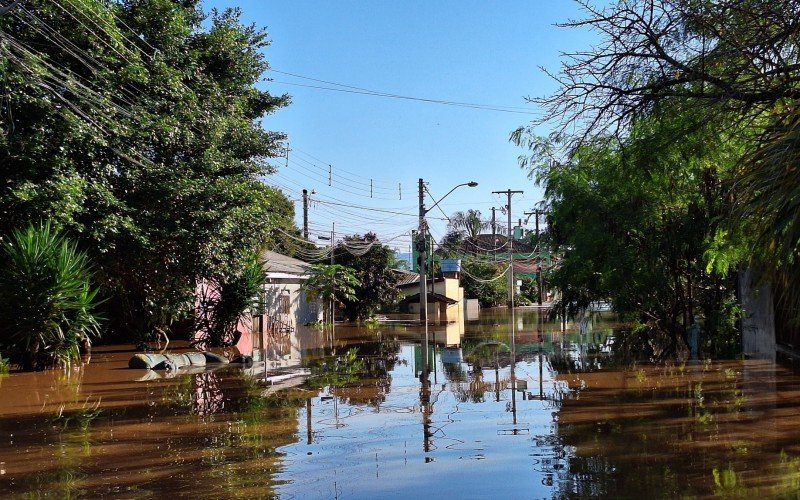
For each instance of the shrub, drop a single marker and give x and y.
(47, 303)
(227, 301)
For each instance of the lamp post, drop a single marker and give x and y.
(423, 263)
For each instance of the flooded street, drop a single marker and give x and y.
(554, 420)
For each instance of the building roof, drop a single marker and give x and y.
(279, 264)
(432, 297)
(408, 278)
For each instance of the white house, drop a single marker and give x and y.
(284, 310)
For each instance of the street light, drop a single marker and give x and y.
(423, 260)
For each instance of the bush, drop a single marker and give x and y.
(483, 281)
(47, 303)
(227, 301)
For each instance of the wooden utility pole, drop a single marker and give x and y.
(509, 193)
(537, 213)
(305, 214)
(494, 235)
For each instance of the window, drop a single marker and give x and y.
(283, 304)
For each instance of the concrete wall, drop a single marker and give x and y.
(758, 321)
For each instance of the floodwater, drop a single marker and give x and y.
(542, 416)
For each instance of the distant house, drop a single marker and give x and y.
(445, 296)
(283, 310)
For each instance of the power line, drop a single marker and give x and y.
(362, 91)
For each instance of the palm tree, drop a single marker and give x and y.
(468, 223)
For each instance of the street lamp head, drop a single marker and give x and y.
(472, 184)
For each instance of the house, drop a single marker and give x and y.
(445, 295)
(277, 328)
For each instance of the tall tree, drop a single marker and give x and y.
(735, 62)
(469, 223)
(637, 220)
(136, 126)
(372, 265)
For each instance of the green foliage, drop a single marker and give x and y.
(372, 263)
(47, 301)
(140, 132)
(223, 304)
(338, 371)
(81, 418)
(5, 366)
(331, 283)
(469, 223)
(372, 323)
(482, 280)
(638, 222)
(705, 74)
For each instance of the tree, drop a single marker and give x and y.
(333, 284)
(636, 220)
(485, 281)
(137, 129)
(372, 263)
(468, 223)
(736, 63)
(222, 306)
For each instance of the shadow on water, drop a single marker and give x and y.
(544, 415)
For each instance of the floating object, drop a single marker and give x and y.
(174, 361)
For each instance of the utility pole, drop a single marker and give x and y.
(494, 235)
(422, 235)
(423, 255)
(537, 213)
(333, 284)
(510, 240)
(423, 276)
(305, 214)
(511, 287)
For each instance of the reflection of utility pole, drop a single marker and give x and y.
(425, 406)
(541, 380)
(308, 421)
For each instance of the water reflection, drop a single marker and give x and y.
(541, 414)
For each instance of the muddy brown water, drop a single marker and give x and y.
(557, 422)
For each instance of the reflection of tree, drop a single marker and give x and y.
(454, 372)
(675, 430)
(577, 358)
(474, 391)
(208, 397)
(361, 375)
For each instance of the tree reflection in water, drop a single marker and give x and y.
(209, 398)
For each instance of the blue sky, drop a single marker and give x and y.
(467, 51)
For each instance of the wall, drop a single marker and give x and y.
(301, 312)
